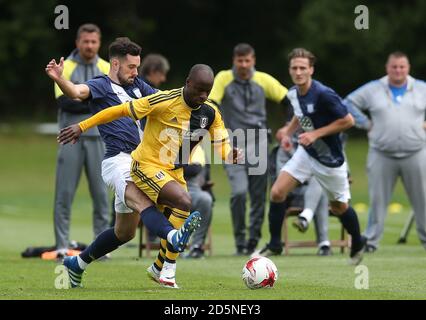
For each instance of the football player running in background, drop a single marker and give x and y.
(319, 111)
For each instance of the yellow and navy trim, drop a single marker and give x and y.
(213, 103)
(179, 215)
(172, 250)
(220, 141)
(151, 183)
(161, 97)
(132, 110)
(161, 253)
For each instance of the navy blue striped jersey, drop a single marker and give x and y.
(319, 107)
(122, 135)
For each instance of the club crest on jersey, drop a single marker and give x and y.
(160, 175)
(310, 108)
(203, 122)
(137, 92)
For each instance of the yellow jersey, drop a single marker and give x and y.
(172, 128)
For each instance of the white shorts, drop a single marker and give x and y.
(116, 173)
(333, 180)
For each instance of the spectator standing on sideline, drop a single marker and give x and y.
(241, 93)
(81, 65)
(397, 147)
(154, 69)
(197, 176)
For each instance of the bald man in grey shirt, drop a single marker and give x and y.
(397, 143)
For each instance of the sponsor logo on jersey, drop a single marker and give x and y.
(160, 175)
(203, 122)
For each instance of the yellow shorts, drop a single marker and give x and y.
(151, 179)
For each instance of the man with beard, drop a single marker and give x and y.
(121, 137)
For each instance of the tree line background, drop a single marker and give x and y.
(195, 31)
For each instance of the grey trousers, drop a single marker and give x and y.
(202, 201)
(383, 172)
(87, 153)
(241, 184)
(316, 199)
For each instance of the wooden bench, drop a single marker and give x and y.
(343, 242)
(145, 244)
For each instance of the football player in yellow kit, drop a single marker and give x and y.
(177, 120)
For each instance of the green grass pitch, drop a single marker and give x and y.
(27, 171)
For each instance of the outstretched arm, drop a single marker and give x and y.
(73, 132)
(136, 109)
(71, 90)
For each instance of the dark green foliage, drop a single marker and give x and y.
(190, 32)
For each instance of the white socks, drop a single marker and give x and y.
(81, 263)
(168, 266)
(308, 214)
(324, 243)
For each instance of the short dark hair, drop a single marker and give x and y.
(122, 47)
(397, 54)
(154, 63)
(243, 49)
(302, 53)
(88, 27)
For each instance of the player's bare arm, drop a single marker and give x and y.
(307, 138)
(71, 90)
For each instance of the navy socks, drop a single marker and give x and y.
(276, 217)
(350, 222)
(107, 241)
(104, 243)
(156, 222)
